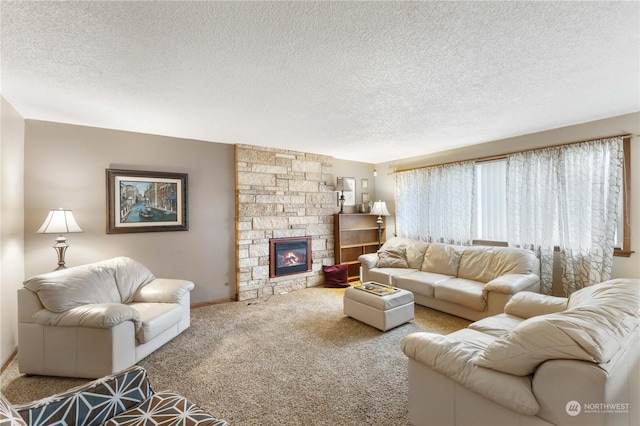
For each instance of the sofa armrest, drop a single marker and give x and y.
(369, 260)
(163, 290)
(71, 408)
(512, 283)
(527, 304)
(456, 360)
(94, 315)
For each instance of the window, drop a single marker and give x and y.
(490, 225)
(491, 184)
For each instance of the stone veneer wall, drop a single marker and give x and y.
(281, 193)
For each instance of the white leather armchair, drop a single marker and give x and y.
(94, 320)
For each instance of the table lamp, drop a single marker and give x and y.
(342, 186)
(380, 208)
(60, 221)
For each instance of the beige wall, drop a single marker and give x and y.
(359, 171)
(629, 123)
(65, 167)
(11, 225)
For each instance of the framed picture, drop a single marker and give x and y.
(365, 198)
(142, 201)
(364, 183)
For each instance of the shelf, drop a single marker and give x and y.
(355, 235)
(374, 243)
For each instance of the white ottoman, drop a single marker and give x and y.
(381, 312)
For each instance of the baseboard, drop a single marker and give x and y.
(8, 361)
(210, 302)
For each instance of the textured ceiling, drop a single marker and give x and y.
(364, 81)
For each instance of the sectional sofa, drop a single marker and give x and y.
(471, 282)
(544, 361)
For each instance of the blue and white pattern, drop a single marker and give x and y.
(91, 404)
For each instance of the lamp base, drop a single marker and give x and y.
(60, 248)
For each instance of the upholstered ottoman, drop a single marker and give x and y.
(382, 312)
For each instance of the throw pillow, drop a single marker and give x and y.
(393, 257)
(336, 276)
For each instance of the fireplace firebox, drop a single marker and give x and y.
(288, 256)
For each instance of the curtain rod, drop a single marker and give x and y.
(503, 156)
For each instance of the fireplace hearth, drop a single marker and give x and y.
(289, 256)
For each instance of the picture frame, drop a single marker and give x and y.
(364, 183)
(146, 201)
(365, 198)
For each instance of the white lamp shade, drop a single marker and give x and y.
(343, 185)
(380, 208)
(59, 221)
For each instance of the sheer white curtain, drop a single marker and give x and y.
(567, 197)
(437, 204)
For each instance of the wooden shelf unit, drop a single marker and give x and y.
(355, 234)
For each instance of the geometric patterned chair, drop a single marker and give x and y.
(123, 398)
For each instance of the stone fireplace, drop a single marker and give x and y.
(281, 194)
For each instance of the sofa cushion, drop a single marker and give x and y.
(381, 275)
(336, 276)
(129, 275)
(619, 294)
(110, 281)
(510, 260)
(442, 259)
(475, 264)
(593, 333)
(163, 290)
(102, 315)
(392, 257)
(462, 292)
(68, 288)
(421, 282)
(526, 304)
(496, 325)
(165, 408)
(156, 318)
(415, 249)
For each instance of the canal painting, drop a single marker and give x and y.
(146, 201)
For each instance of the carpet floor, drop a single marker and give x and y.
(290, 359)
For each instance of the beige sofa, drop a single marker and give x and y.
(544, 361)
(93, 320)
(471, 282)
